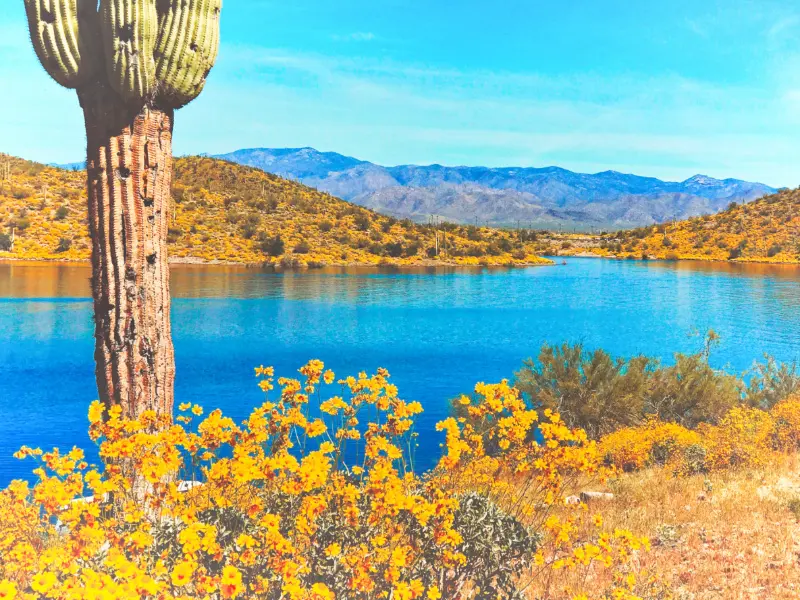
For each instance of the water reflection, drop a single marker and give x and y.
(438, 331)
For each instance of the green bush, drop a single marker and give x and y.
(590, 390)
(64, 244)
(272, 246)
(599, 393)
(302, 247)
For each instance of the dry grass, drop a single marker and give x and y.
(725, 536)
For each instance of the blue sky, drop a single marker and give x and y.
(667, 89)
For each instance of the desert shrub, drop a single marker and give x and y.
(248, 230)
(742, 438)
(496, 545)
(786, 416)
(591, 390)
(5, 242)
(64, 244)
(61, 213)
(21, 223)
(272, 246)
(794, 507)
(303, 501)
(302, 247)
(652, 443)
(774, 249)
(362, 222)
(174, 234)
(599, 393)
(691, 392)
(736, 251)
(413, 248)
(394, 249)
(771, 382)
(518, 255)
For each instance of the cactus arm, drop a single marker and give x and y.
(58, 29)
(187, 48)
(129, 30)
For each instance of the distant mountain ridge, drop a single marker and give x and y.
(539, 197)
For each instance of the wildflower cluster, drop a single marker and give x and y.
(744, 437)
(314, 497)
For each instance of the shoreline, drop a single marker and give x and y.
(267, 266)
(548, 260)
(749, 261)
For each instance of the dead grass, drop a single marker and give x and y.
(724, 536)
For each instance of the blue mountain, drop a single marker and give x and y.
(546, 197)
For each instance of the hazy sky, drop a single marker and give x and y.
(667, 89)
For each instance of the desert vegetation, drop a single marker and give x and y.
(224, 212)
(315, 495)
(765, 230)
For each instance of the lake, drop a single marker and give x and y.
(438, 331)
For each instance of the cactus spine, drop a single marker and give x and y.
(64, 36)
(187, 48)
(154, 52)
(129, 37)
(132, 63)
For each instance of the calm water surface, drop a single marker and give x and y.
(438, 332)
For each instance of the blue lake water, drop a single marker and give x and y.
(437, 331)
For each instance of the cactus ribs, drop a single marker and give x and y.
(132, 64)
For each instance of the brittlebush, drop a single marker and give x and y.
(653, 442)
(744, 437)
(315, 497)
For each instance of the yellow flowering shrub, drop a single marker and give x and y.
(743, 438)
(786, 415)
(314, 496)
(653, 442)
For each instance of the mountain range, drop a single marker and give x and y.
(548, 197)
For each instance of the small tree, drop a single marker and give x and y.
(273, 246)
(64, 244)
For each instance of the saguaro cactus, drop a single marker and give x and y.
(132, 63)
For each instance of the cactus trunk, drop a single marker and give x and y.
(129, 172)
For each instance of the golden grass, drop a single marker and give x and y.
(728, 535)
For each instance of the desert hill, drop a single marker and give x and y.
(225, 212)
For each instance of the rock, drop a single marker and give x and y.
(595, 496)
(185, 486)
(569, 500)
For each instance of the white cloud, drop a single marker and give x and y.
(670, 126)
(783, 26)
(359, 36)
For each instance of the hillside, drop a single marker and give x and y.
(549, 197)
(230, 213)
(767, 230)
